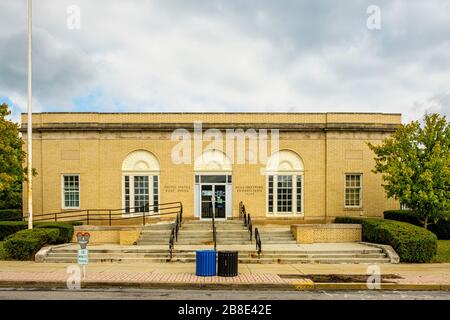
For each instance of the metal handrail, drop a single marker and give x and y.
(171, 242)
(258, 242)
(214, 230)
(89, 215)
(249, 226)
(240, 209)
(174, 233)
(177, 226)
(123, 210)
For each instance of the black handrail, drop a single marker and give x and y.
(174, 233)
(181, 214)
(214, 230)
(258, 242)
(171, 242)
(110, 215)
(177, 226)
(249, 226)
(245, 219)
(240, 209)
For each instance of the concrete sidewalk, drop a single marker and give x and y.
(251, 276)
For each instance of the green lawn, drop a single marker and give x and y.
(443, 251)
(2, 252)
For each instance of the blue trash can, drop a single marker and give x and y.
(205, 263)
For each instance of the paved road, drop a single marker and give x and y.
(160, 294)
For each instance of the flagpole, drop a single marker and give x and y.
(30, 124)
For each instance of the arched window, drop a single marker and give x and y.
(140, 172)
(284, 172)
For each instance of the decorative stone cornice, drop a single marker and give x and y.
(283, 127)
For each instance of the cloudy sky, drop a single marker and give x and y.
(228, 55)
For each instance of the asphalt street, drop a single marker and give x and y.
(164, 294)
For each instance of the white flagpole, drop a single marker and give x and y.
(29, 124)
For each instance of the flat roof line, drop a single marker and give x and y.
(221, 113)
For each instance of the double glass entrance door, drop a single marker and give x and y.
(213, 194)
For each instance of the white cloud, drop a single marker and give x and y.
(230, 56)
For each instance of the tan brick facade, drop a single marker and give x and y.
(322, 233)
(94, 145)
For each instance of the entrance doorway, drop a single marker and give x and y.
(213, 190)
(217, 193)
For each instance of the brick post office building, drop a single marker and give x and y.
(320, 168)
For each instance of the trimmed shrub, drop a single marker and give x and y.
(65, 230)
(75, 223)
(402, 215)
(412, 243)
(24, 244)
(11, 215)
(8, 228)
(441, 228)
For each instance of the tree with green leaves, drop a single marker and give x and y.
(414, 163)
(12, 173)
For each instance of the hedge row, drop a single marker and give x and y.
(8, 228)
(412, 243)
(441, 228)
(11, 215)
(24, 244)
(65, 230)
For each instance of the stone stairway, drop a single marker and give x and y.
(276, 236)
(278, 246)
(147, 254)
(196, 232)
(199, 232)
(155, 234)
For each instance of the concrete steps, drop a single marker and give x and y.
(150, 255)
(199, 232)
(248, 259)
(230, 232)
(139, 249)
(154, 241)
(155, 234)
(245, 261)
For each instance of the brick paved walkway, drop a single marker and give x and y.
(17, 274)
(149, 277)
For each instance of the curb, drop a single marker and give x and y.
(384, 286)
(295, 286)
(150, 285)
